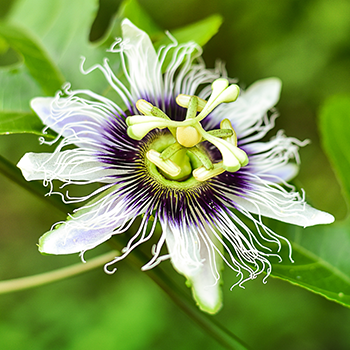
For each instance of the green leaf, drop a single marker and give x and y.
(334, 128)
(37, 61)
(20, 122)
(17, 89)
(321, 260)
(200, 32)
(17, 82)
(29, 73)
(321, 253)
(132, 10)
(63, 29)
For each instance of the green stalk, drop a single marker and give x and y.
(23, 283)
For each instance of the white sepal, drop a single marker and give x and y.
(143, 65)
(283, 208)
(90, 226)
(70, 165)
(193, 253)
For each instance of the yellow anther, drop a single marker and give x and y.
(202, 174)
(226, 124)
(184, 100)
(168, 166)
(188, 136)
(144, 107)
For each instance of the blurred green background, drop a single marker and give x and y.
(307, 45)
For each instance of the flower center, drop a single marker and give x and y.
(184, 156)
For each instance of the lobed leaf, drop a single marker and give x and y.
(36, 60)
(63, 28)
(32, 25)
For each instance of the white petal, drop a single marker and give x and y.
(42, 107)
(88, 227)
(70, 165)
(271, 160)
(251, 105)
(144, 68)
(285, 172)
(193, 255)
(80, 120)
(284, 209)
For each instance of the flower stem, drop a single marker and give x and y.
(56, 275)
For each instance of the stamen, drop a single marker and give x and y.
(148, 109)
(159, 113)
(184, 101)
(203, 158)
(223, 133)
(171, 150)
(226, 124)
(203, 174)
(144, 107)
(168, 166)
(192, 108)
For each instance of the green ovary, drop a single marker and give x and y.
(184, 159)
